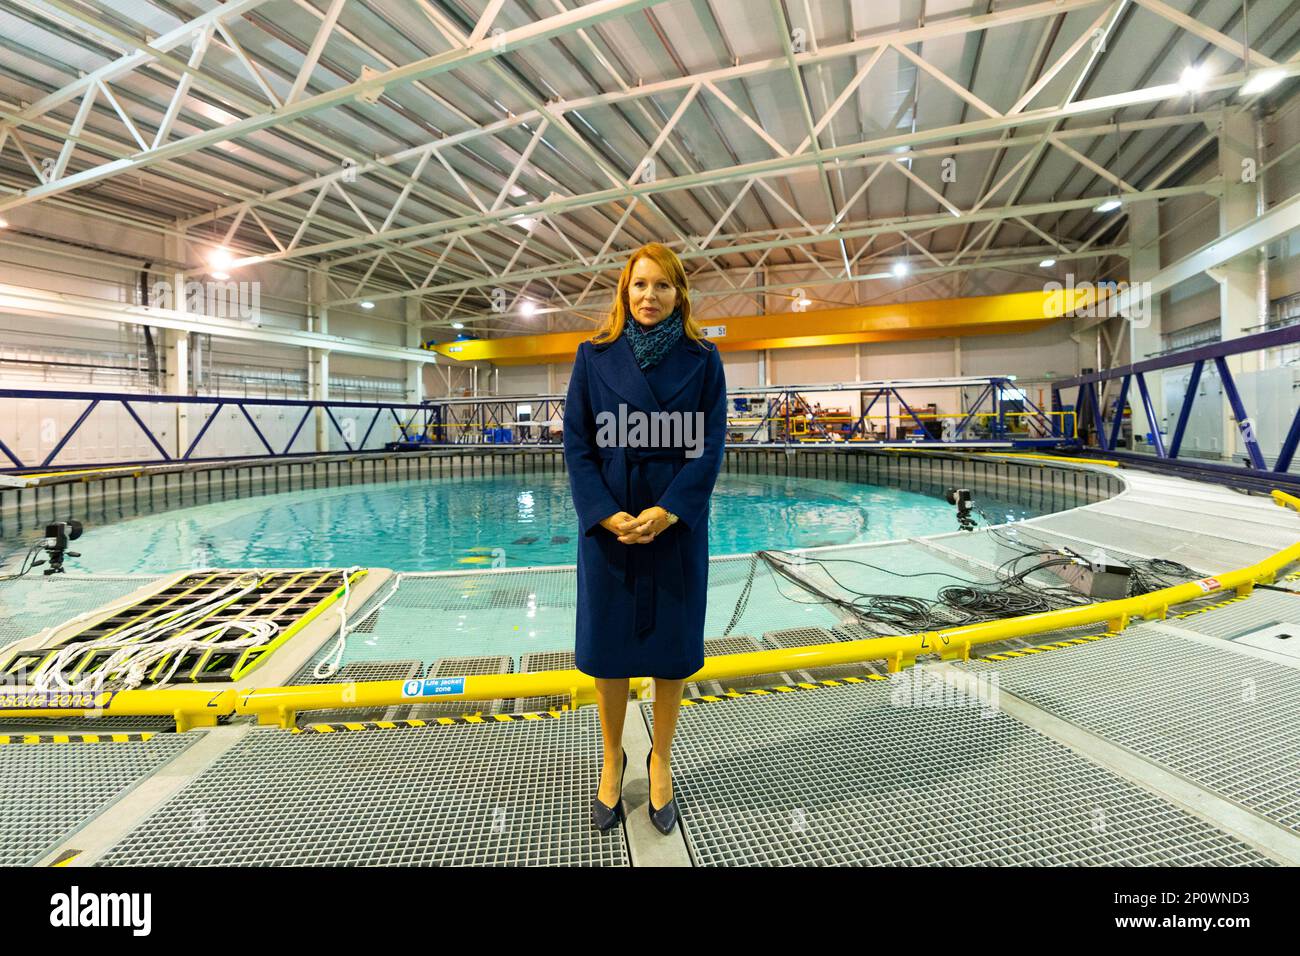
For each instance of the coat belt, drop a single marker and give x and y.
(644, 567)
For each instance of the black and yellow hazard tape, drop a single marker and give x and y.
(432, 722)
(74, 738)
(733, 694)
(1213, 607)
(1054, 646)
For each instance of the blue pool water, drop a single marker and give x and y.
(490, 521)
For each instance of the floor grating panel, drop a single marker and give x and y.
(843, 776)
(1227, 721)
(48, 791)
(483, 795)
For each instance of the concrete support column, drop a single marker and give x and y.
(1238, 279)
(1144, 330)
(176, 344)
(414, 370)
(318, 360)
(176, 348)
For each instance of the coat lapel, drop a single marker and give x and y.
(617, 367)
(680, 367)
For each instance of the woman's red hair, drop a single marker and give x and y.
(667, 260)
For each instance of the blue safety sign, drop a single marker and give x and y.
(433, 686)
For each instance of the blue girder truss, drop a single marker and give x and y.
(412, 422)
(1088, 404)
(439, 422)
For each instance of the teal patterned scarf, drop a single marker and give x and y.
(651, 345)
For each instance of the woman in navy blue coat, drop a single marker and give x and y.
(644, 428)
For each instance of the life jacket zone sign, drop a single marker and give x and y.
(433, 686)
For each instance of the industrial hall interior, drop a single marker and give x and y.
(649, 433)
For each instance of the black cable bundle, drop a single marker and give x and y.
(28, 563)
(965, 602)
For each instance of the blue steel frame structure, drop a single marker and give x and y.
(128, 400)
(1088, 404)
(445, 422)
(789, 403)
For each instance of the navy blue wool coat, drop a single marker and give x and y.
(641, 606)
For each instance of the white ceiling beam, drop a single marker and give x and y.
(314, 51)
(87, 101)
(664, 133)
(1281, 220)
(853, 85)
(60, 304)
(874, 45)
(948, 82)
(808, 282)
(603, 263)
(745, 118)
(200, 48)
(148, 53)
(1206, 33)
(782, 165)
(423, 68)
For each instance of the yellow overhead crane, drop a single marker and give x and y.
(1017, 312)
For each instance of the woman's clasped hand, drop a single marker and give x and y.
(641, 529)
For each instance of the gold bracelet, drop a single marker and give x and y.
(672, 518)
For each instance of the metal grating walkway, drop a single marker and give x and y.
(48, 791)
(1261, 609)
(514, 794)
(839, 775)
(31, 604)
(1224, 720)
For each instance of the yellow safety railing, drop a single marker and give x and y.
(281, 705)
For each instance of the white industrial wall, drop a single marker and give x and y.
(100, 257)
(50, 249)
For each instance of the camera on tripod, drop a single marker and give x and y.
(961, 498)
(57, 536)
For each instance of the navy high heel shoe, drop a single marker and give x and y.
(603, 817)
(665, 818)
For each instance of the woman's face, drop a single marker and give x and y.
(650, 294)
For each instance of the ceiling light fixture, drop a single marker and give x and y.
(1262, 82)
(1193, 79)
(220, 259)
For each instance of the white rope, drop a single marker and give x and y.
(330, 663)
(138, 647)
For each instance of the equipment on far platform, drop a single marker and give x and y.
(57, 536)
(961, 498)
